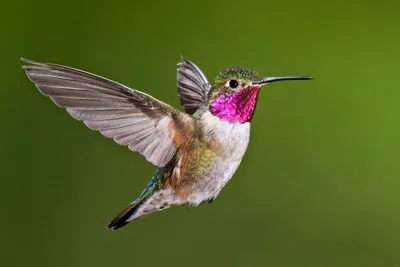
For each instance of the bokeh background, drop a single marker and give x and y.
(319, 185)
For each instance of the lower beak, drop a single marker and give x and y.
(283, 78)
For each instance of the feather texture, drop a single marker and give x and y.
(193, 86)
(130, 117)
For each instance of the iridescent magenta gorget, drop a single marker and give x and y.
(237, 106)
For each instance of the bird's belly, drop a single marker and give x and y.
(209, 186)
(218, 170)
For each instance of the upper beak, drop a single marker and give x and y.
(284, 78)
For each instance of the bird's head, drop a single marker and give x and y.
(234, 93)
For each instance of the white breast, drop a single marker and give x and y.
(234, 139)
(233, 136)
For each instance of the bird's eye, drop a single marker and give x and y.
(233, 83)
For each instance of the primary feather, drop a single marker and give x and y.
(130, 117)
(193, 86)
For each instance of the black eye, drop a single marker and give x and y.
(233, 83)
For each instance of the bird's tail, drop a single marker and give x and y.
(151, 200)
(124, 217)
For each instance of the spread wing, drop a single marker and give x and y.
(193, 86)
(130, 117)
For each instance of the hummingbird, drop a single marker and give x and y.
(197, 151)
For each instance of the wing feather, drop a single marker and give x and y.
(130, 117)
(193, 86)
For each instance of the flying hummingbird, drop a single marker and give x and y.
(196, 151)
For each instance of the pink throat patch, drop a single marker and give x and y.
(236, 107)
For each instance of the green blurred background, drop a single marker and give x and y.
(319, 185)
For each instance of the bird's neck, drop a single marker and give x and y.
(236, 107)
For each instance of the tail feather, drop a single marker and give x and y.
(123, 218)
(157, 201)
(131, 212)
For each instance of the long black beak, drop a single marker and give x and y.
(284, 78)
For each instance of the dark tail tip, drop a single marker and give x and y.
(122, 218)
